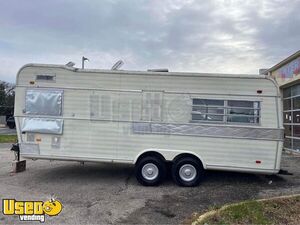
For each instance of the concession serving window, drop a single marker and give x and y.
(44, 110)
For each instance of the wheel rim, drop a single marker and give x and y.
(187, 172)
(150, 171)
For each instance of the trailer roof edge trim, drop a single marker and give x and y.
(132, 72)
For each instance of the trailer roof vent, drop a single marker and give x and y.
(45, 77)
(158, 70)
(117, 65)
(70, 64)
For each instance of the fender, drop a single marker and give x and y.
(169, 154)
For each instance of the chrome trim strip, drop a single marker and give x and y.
(206, 123)
(208, 131)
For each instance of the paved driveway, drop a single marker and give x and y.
(6, 130)
(109, 194)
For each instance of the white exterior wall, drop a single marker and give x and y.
(105, 138)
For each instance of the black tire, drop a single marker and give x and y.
(178, 164)
(148, 160)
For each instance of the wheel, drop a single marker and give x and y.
(150, 170)
(187, 171)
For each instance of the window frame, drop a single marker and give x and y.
(40, 114)
(206, 109)
(254, 116)
(225, 113)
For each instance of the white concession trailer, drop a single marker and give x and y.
(196, 121)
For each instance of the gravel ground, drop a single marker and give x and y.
(109, 194)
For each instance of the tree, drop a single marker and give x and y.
(7, 98)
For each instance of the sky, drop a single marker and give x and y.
(216, 36)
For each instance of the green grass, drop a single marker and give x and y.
(272, 211)
(8, 138)
(249, 212)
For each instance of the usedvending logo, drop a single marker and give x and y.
(31, 210)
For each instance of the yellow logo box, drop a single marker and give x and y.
(31, 208)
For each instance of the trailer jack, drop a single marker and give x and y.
(17, 164)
